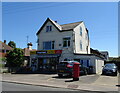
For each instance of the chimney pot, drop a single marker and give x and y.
(5, 41)
(55, 21)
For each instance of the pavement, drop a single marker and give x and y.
(88, 82)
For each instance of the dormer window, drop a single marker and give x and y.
(80, 31)
(48, 28)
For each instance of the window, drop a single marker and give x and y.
(48, 28)
(80, 45)
(86, 36)
(81, 31)
(48, 45)
(66, 42)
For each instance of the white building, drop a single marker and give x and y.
(64, 42)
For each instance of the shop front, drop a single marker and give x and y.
(47, 60)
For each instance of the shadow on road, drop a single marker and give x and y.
(36, 72)
(64, 77)
(118, 85)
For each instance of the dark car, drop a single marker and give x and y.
(66, 68)
(110, 69)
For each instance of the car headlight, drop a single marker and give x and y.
(113, 70)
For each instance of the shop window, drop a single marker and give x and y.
(48, 28)
(48, 45)
(66, 42)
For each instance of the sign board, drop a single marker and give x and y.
(46, 52)
(32, 52)
(49, 52)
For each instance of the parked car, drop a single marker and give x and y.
(66, 68)
(110, 69)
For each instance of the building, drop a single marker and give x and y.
(64, 42)
(4, 48)
(106, 55)
(26, 52)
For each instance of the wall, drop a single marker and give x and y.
(56, 36)
(78, 38)
(99, 65)
(95, 61)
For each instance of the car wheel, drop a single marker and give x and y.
(115, 74)
(70, 75)
(60, 75)
(85, 72)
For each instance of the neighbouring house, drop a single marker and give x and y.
(26, 52)
(103, 54)
(64, 42)
(4, 48)
(106, 55)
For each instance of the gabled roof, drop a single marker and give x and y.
(61, 28)
(70, 26)
(4, 46)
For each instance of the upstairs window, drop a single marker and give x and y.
(80, 31)
(48, 28)
(66, 42)
(86, 36)
(80, 45)
(48, 45)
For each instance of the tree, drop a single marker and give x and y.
(12, 44)
(15, 58)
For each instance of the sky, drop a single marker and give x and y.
(22, 19)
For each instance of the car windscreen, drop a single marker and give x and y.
(110, 66)
(63, 63)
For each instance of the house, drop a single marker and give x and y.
(64, 42)
(4, 48)
(26, 52)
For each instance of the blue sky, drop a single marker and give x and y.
(24, 19)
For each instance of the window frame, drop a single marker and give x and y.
(80, 31)
(81, 46)
(52, 45)
(49, 28)
(68, 43)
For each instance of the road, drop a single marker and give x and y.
(13, 88)
(22, 87)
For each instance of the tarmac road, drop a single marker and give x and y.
(89, 82)
(22, 88)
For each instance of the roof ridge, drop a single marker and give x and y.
(71, 23)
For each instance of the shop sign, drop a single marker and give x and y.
(46, 52)
(41, 52)
(50, 51)
(58, 51)
(32, 52)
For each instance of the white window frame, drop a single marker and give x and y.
(81, 31)
(48, 28)
(52, 43)
(67, 41)
(81, 46)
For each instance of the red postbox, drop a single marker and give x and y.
(76, 71)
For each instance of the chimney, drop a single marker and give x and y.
(29, 46)
(5, 41)
(55, 21)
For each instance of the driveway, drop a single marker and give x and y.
(89, 82)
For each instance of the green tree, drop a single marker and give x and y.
(12, 44)
(15, 58)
